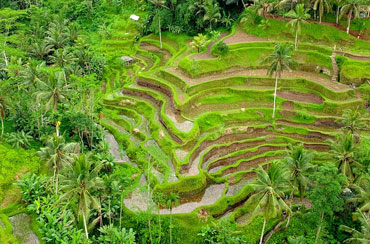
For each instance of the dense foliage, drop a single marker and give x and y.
(61, 60)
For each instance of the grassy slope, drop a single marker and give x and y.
(313, 33)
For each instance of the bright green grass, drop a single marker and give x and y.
(353, 70)
(311, 33)
(14, 162)
(251, 58)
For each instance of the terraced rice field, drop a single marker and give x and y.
(205, 131)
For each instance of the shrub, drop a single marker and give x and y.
(33, 187)
(220, 49)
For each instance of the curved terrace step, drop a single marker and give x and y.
(318, 78)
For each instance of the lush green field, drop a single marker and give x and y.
(214, 111)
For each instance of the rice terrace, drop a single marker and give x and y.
(185, 121)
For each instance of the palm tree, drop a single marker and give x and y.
(57, 154)
(250, 16)
(32, 73)
(53, 90)
(286, 3)
(63, 58)
(40, 49)
(338, 4)
(263, 6)
(351, 8)
(213, 14)
(322, 5)
(57, 34)
(172, 200)
(279, 60)
(343, 150)
(362, 236)
(362, 190)
(352, 120)
(159, 4)
(199, 42)
(78, 183)
(299, 17)
(298, 163)
(270, 189)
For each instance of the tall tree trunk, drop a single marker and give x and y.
(337, 19)
(85, 226)
(120, 212)
(170, 225)
(319, 229)
(349, 21)
(5, 59)
(296, 39)
(150, 230)
(56, 180)
(55, 104)
(243, 3)
(276, 81)
(263, 229)
(2, 125)
(148, 203)
(290, 206)
(160, 32)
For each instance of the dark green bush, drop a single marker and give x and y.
(220, 49)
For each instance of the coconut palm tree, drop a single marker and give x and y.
(57, 154)
(322, 6)
(199, 42)
(352, 9)
(57, 34)
(159, 4)
(338, 4)
(54, 90)
(353, 120)
(362, 236)
(172, 200)
(362, 190)
(270, 189)
(343, 150)
(299, 17)
(79, 182)
(32, 73)
(286, 4)
(63, 58)
(263, 6)
(298, 163)
(279, 60)
(250, 16)
(40, 49)
(212, 14)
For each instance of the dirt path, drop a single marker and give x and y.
(318, 78)
(241, 36)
